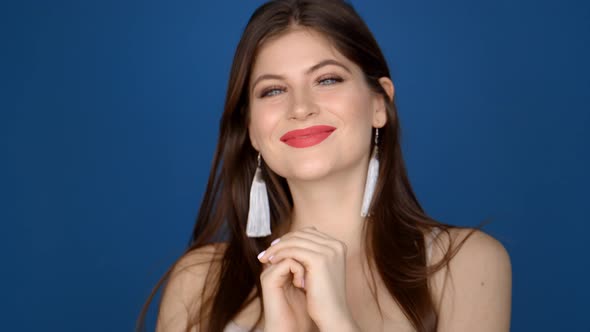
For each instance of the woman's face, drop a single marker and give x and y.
(299, 80)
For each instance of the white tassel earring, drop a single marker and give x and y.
(258, 212)
(372, 174)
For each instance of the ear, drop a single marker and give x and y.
(380, 114)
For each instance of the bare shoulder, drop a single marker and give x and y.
(198, 260)
(474, 291)
(186, 285)
(473, 244)
(479, 252)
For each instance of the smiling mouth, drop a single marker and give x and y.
(307, 137)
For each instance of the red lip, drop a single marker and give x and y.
(306, 137)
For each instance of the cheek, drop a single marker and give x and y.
(263, 122)
(353, 105)
(354, 108)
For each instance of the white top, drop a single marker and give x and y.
(233, 327)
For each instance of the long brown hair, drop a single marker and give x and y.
(394, 233)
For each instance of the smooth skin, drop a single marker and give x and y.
(314, 276)
(310, 260)
(300, 80)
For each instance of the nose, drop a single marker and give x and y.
(302, 105)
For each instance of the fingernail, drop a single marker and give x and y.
(275, 242)
(270, 258)
(261, 254)
(303, 282)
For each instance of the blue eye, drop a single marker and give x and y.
(273, 91)
(330, 80)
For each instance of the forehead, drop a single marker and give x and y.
(295, 51)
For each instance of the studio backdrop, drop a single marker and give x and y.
(110, 113)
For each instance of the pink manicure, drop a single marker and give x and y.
(261, 254)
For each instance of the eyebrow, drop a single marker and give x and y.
(313, 68)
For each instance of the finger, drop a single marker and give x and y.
(311, 233)
(328, 241)
(306, 233)
(314, 230)
(299, 239)
(310, 230)
(304, 256)
(284, 272)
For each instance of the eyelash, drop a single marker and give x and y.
(265, 92)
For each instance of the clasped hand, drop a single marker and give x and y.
(305, 269)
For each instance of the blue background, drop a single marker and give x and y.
(109, 116)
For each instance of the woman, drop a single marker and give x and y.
(323, 229)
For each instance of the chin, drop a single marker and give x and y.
(307, 172)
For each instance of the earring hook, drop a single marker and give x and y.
(376, 136)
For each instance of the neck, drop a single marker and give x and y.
(333, 206)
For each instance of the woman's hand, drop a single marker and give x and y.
(324, 261)
(284, 299)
